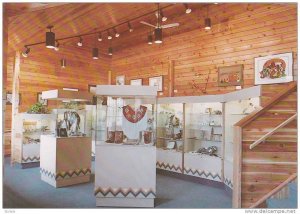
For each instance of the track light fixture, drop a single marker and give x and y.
(187, 9)
(158, 35)
(207, 24)
(63, 63)
(163, 18)
(150, 40)
(57, 46)
(116, 33)
(110, 51)
(80, 42)
(26, 52)
(95, 53)
(108, 35)
(100, 37)
(129, 27)
(50, 38)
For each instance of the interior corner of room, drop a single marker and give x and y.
(161, 105)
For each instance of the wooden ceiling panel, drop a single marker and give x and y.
(28, 23)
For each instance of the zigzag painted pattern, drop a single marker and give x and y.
(124, 192)
(202, 173)
(64, 175)
(228, 182)
(167, 166)
(31, 159)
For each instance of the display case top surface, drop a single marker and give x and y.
(58, 94)
(126, 90)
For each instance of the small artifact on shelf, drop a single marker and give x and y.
(217, 112)
(118, 137)
(211, 151)
(111, 137)
(29, 140)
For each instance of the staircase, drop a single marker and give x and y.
(289, 202)
(266, 151)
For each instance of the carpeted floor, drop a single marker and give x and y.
(23, 188)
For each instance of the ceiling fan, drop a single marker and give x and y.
(158, 27)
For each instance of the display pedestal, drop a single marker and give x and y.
(65, 161)
(125, 175)
(170, 160)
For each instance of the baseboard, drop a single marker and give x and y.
(30, 165)
(191, 178)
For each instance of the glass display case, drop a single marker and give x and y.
(203, 140)
(67, 151)
(29, 128)
(170, 136)
(235, 110)
(126, 120)
(204, 128)
(125, 149)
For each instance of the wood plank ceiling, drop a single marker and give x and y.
(28, 22)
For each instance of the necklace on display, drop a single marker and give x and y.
(132, 115)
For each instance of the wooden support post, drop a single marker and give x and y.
(109, 78)
(237, 167)
(171, 78)
(15, 103)
(4, 71)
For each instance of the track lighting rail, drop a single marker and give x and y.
(102, 31)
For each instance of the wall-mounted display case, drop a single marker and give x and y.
(204, 140)
(125, 172)
(66, 153)
(170, 136)
(207, 124)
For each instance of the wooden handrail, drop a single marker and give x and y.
(274, 191)
(246, 120)
(273, 131)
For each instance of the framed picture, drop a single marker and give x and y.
(136, 82)
(120, 80)
(156, 81)
(92, 88)
(40, 100)
(230, 75)
(9, 98)
(274, 69)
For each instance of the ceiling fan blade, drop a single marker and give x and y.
(170, 25)
(146, 23)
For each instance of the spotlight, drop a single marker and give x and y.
(116, 33)
(108, 35)
(100, 37)
(187, 9)
(50, 38)
(110, 51)
(158, 35)
(163, 18)
(26, 52)
(95, 53)
(80, 42)
(207, 23)
(150, 39)
(129, 27)
(57, 46)
(63, 63)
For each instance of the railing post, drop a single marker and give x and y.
(237, 167)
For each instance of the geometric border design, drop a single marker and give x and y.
(31, 159)
(124, 192)
(202, 173)
(228, 182)
(65, 175)
(167, 166)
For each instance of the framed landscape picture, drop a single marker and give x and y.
(40, 100)
(136, 82)
(230, 75)
(156, 81)
(274, 69)
(120, 80)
